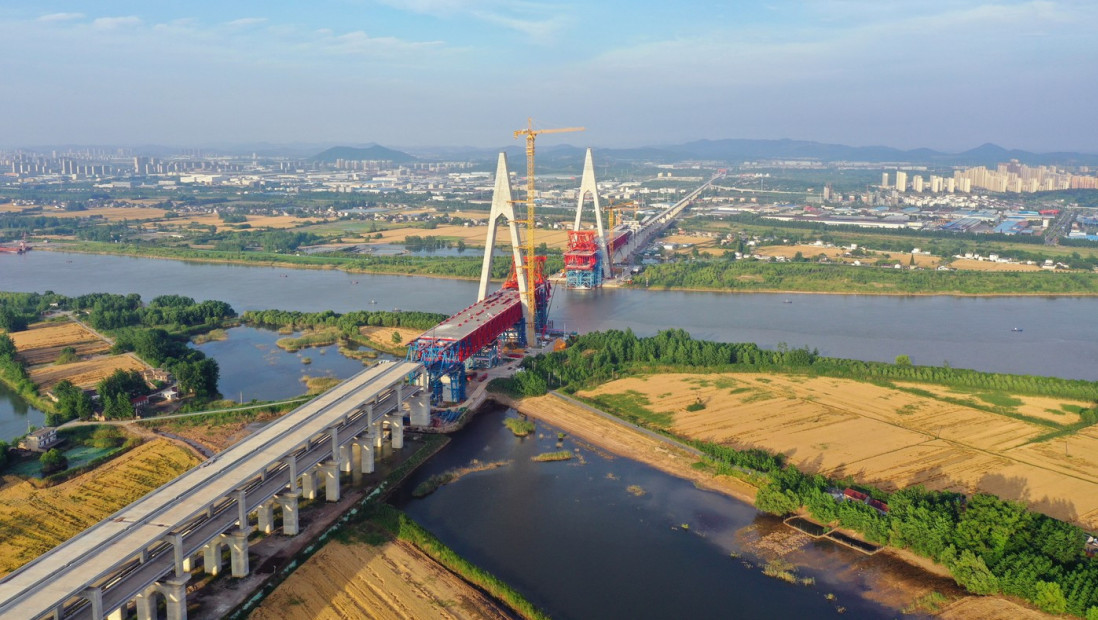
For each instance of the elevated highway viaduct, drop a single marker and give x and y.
(147, 551)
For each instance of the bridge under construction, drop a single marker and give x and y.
(142, 557)
(506, 316)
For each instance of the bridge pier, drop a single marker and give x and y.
(396, 431)
(175, 598)
(238, 553)
(365, 454)
(331, 481)
(146, 603)
(211, 555)
(308, 484)
(419, 406)
(288, 503)
(346, 464)
(117, 614)
(265, 516)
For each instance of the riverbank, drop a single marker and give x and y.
(898, 578)
(267, 261)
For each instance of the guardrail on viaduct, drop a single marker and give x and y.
(149, 548)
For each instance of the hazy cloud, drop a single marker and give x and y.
(61, 17)
(244, 22)
(112, 23)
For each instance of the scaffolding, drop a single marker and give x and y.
(582, 261)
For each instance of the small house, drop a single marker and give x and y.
(40, 440)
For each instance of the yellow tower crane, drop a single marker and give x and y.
(531, 298)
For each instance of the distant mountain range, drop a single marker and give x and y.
(734, 151)
(372, 152)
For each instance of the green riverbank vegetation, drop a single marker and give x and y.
(747, 276)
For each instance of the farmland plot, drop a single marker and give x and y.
(890, 438)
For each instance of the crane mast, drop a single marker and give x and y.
(531, 194)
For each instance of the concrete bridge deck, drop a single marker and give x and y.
(151, 543)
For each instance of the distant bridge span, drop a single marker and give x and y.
(147, 549)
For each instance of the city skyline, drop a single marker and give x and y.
(940, 74)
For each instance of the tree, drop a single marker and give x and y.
(53, 461)
(970, 571)
(12, 321)
(903, 360)
(396, 338)
(771, 498)
(3, 454)
(1048, 597)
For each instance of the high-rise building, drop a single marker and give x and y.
(901, 181)
(884, 180)
(917, 183)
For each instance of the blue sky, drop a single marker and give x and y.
(947, 74)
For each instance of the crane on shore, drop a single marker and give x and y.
(531, 134)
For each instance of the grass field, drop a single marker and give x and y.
(34, 521)
(41, 343)
(888, 437)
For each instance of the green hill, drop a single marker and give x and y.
(375, 152)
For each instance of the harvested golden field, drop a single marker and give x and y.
(393, 581)
(473, 235)
(882, 436)
(257, 221)
(36, 520)
(41, 343)
(112, 214)
(969, 264)
(85, 373)
(812, 252)
(1057, 410)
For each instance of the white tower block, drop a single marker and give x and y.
(502, 206)
(588, 186)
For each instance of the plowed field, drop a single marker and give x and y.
(888, 437)
(393, 581)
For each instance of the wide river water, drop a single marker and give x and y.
(1058, 337)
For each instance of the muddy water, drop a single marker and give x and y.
(606, 537)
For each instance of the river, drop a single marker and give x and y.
(575, 541)
(1059, 336)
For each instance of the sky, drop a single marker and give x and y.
(943, 74)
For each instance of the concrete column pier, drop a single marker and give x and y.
(146, 603)
(175, 598)
(308, 484)
(238, 550)
(265, 516)
(366, 446)
(288, 503)
(346, 462)
(188, 563)
(419, 409)
(116, 614)
(331, 481)
(396, 428)
(211, 555)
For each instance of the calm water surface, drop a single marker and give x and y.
(253, 367)
(578, 544)
(1059, 336)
